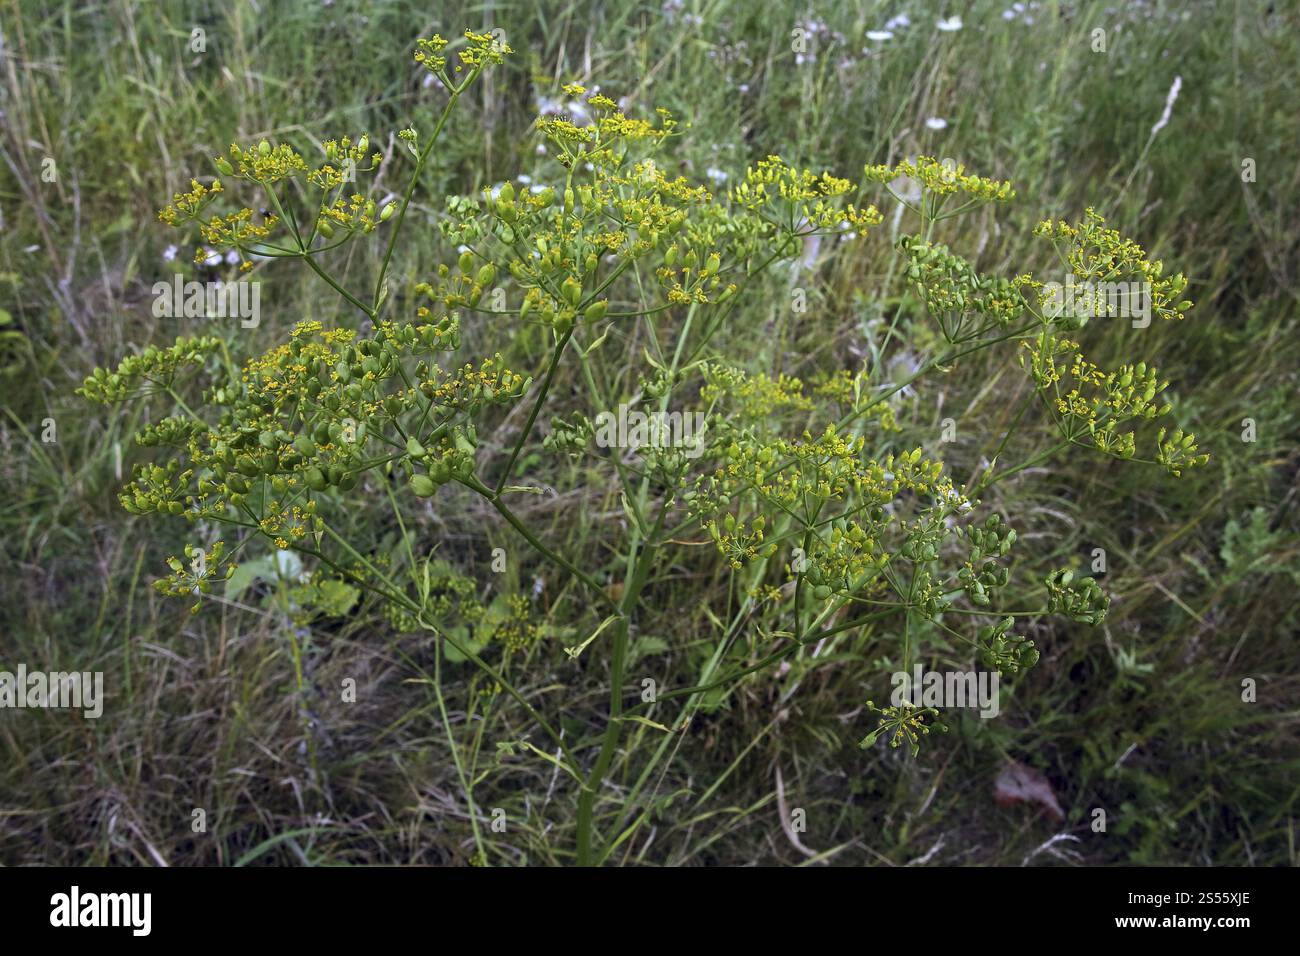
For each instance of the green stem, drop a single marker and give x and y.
(537, 407)
(373, 312)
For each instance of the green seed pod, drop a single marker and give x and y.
(387, 212)
(325, 229)
(264, 148)
(223, 166)
(363, 143)
(414, 448)
(568, 200)
(348, 482)
(572, 291)
(423, 486)
(486, 275)
(596, 311)
(466, 262)
(315, 479)
(507, 194)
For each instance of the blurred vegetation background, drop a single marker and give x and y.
(1142, 717)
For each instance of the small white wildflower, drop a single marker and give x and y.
(233, 258)
(950, 25)
(170, 253)
(715, 174)
(880, 36)
(211, 257)
(902, 20)
(936, 122)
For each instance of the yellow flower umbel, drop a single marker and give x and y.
(943, 179)
(800, 198)
(1096, 255)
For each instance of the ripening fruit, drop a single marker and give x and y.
(596, 311)
(387, 212)
(423, 486)
(486, 275)
(315, 479)
(224, 167)
(264, 148)
(466, 261)
(571, 289)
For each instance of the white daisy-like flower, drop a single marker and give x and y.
(950, 25)
(936, 122)
(880, 36)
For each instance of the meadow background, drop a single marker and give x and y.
(1142, 716)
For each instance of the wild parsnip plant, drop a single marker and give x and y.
(823, 524)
